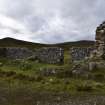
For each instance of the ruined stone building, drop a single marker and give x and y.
(79, 53)
(51, 55)
(100, 41)
(96, 59)
(98, 51)
(55, 55)
(16, 53)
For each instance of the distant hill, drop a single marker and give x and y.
(82, 43)
(11, 42)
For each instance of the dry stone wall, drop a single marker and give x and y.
(3, 52)
(16, 53)
(51, 55)
(19, 53)
(78, 53)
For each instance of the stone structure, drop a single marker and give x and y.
(16, 53)
(97, 60)
(100, 41)
(3, 52)
(51, 55)
(78, 53)
(19, 53)
(98, 52)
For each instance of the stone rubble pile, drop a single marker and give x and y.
(50, 71)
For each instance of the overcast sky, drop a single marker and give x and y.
(51, 21)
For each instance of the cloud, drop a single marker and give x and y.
(11, 28)
(50, 21)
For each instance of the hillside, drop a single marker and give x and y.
(29, 82)
(10, 42)
(82, 43)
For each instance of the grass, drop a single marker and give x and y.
(20, 86)
(56, 85)
(15, 75)
(22, 83)
(27, 73)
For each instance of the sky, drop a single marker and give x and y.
(51, 21)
